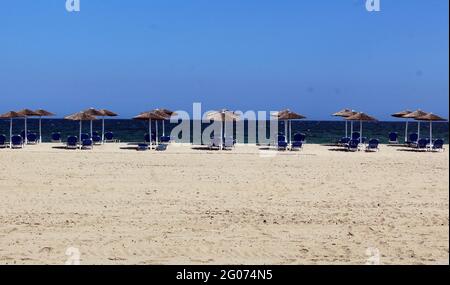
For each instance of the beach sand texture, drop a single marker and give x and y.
(246, 206)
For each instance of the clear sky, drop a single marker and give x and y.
(312, 56)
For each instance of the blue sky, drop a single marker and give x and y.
(311, 56)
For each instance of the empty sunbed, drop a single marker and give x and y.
(165, 139)
(96, 139)
(142, 147)
(281, 142)
(353, 145)
(373, 145)
(87, 144)
(56, 137)
(422, 144)
(215, 143)
(438, 145)
(32, 138)
(412, 139)
(393, 138)
(355, 135)
(297, 142)
(16, 141)
(2, 141)
(343, 141)
(109, 137)
(72, 142)
(228, 143)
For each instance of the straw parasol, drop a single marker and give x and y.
(402, 114)
(223, 115)
(287, 116)
(431, 118)
(149, 116)
(10, 115)
(360, 116)
(344, 113)
(80, 116)
(93, 112)
(42, 113)
(165, 113)
(416, 114)
(105, 113)
(27, 113)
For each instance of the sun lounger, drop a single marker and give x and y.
(373, 145)
(165, 139)
(142, 147)
(281, 142)
(85, 137)
(438, 145)
(393, 138)
(2, 141)
(96, 139)
(355, 135)
(228, 143)
(353, 145)
(109, 137)
(16, 142)
(412, 139)
(56, 137)
(343, 141)
(72, 142)
(298, 141)
(422, 144)
(214, 143)
(32, 138)
(87, 144)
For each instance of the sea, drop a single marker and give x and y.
(319, 132)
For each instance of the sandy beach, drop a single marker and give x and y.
(189, 205)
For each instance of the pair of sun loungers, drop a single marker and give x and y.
(16, 141)
(359, 144)
(216, 143)
(296, 144)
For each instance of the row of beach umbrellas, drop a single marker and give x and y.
(418, 115)
(25, 113)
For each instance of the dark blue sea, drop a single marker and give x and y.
(316, 131)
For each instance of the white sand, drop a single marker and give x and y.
(244, 206)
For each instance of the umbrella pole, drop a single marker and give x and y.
(26, 131)
(164, 131)
(351, 128)
(406, 131)
(431, 133)
(103, 129)
(290, 129)
(91, 128)
(10, 133)
(360, 131)
(222, 133)
(346, 133)
(40, 129)
(150, 132)
(80, 133)
(156, 132)
(418, 130)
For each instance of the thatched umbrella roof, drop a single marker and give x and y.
(107, 113)
(28, 113)
(344, 113)
(401, 114)
(93, 112)
(222, 115)
(150, 115)
(43, 113)
(11, 114)
(415, 114)
(288, 115)
(430, 117)
(165, 112)
(80, 116)
(360, 116)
